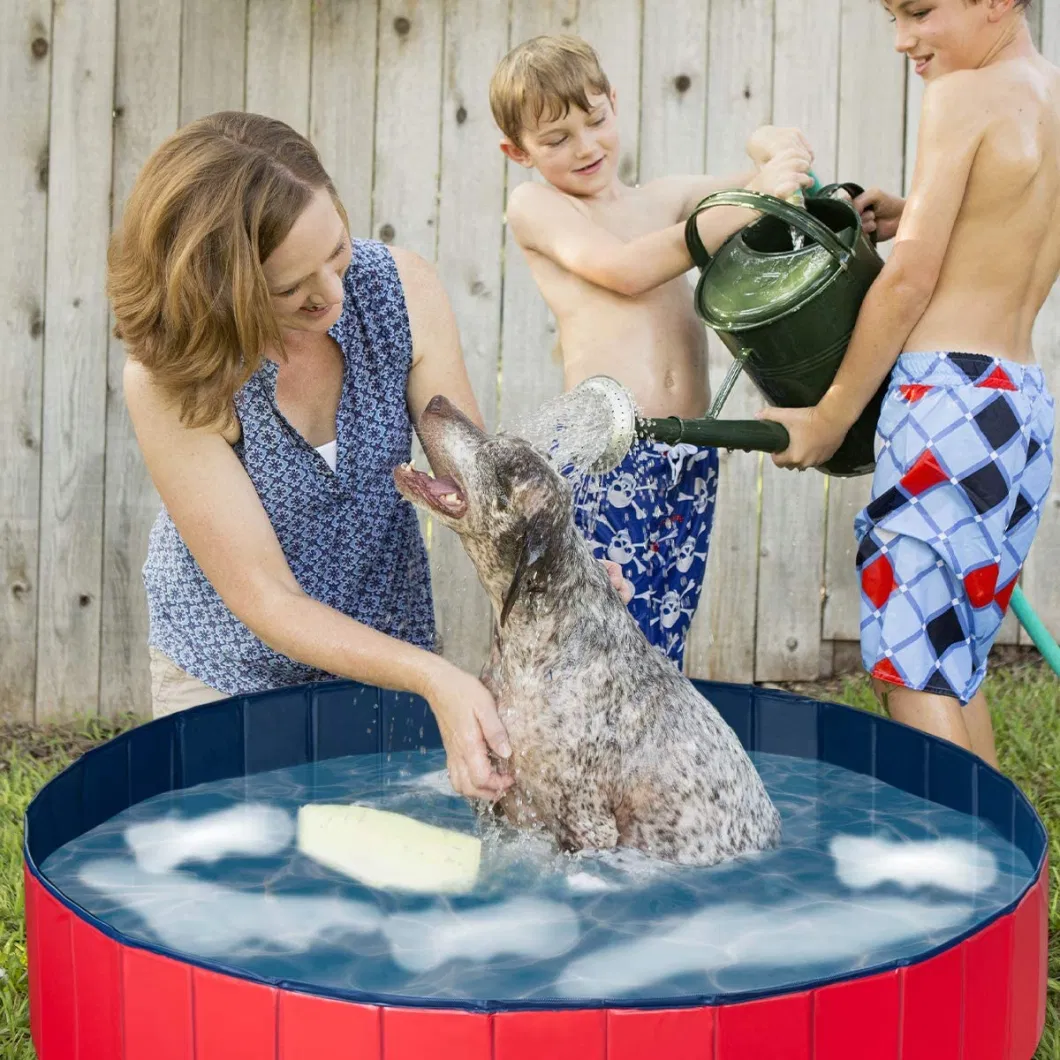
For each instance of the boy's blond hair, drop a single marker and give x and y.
(543, 78)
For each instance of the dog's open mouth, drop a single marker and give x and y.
(441, 495)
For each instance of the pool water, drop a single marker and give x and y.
(865, 875)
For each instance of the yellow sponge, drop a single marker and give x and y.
(389, 850)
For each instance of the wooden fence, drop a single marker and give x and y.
(393, 93)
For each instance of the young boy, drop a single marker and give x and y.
(965, 436)
(609, 260)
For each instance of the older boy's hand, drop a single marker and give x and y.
(880, 213)
(769, 141)
(813, 436)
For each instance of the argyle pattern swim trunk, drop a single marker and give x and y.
(964, 462)
(653, 515)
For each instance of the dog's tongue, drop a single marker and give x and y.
(440, 493)
(440, 488)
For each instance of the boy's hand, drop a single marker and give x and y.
(782, 175)
(880, 213)
(814, 436)
(618, 580)
(769, 141)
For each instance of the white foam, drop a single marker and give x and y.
(587, 883)
(436, 781)
(735, 933)
(522, 927)
(249, 829)
(954, 865)
(210, 920)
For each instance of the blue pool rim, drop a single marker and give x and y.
(244, 735)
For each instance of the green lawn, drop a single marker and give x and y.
(1024, 698)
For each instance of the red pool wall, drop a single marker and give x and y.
(93, 999)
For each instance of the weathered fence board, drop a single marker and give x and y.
(278, 53)
(740, 96)
(394, 95)
(25, 65)
(75, 358)
(407, 138)
(470, 240)
(147, 95)
(212, 57)
(674, 72)
(342, 101)
(805, 91)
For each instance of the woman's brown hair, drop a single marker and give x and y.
(184, 272)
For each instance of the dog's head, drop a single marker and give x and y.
(501, 496)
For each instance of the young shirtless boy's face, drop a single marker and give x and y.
(576, 152)
(941, 36)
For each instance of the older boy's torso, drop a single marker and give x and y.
(652, 343)
(1004, 252)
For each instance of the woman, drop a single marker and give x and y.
(275, 369)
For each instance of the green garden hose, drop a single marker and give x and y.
(1043, 639)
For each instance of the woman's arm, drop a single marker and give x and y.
(437, 362)
(220, 518)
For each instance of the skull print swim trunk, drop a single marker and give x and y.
(653, 515)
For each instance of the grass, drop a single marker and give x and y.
(1023, 696)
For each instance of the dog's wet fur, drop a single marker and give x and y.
(611, 745)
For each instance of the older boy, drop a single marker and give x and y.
(965, 436)
(609, 261)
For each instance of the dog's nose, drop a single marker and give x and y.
(439, 405)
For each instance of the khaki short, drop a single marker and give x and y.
(172, 689)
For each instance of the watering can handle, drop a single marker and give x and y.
(794, 216)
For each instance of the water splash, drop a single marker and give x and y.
(574, 430)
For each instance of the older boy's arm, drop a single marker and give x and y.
(952, 126)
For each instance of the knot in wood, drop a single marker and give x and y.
(402, 26)
(84, 599)
(39, 47)
(386, 233)
(461, 115)
(19, 589)
(791, 643)
(682, 82)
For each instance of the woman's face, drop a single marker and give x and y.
(304, 273)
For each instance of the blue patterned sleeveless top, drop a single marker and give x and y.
(351, 541)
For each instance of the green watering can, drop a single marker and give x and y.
(783, 295)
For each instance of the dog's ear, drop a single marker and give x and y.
(533, 556)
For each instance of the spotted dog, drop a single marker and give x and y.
(611, 744)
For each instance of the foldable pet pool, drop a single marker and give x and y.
(161, 925)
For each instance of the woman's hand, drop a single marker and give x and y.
(618, 580)
(880, 213)
(784, 174)
(471, 729)
(814, 436)
(768, 141)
